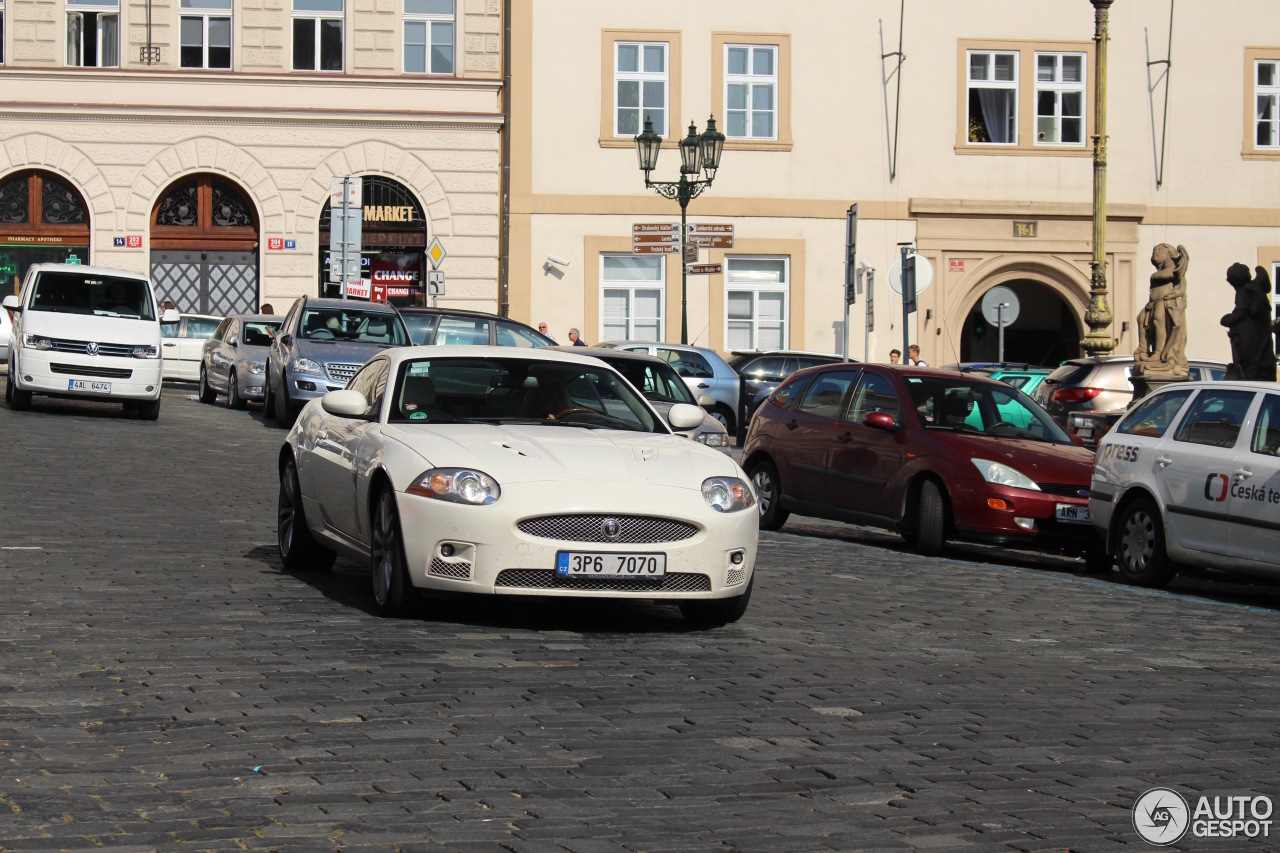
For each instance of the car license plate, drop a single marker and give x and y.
(86, 385)
(1073, 514)
(1084, 432)
(610, 565)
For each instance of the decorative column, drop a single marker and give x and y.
(1098, 341)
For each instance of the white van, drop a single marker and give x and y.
(88, 332)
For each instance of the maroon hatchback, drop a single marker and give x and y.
(932, 454)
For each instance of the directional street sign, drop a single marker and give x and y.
(712, 241)
(656, 228)
(704, 269)
(669, 237)
(655, 249)
(435, 283)
(708, 228)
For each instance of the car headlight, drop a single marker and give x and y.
(257, 368)
(306, 365)
(146, 351)
(714, 439)
(727, 494)
(1003, 475)
(36, 342)
(460, 485)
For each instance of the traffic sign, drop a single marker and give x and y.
(656, 228)
(704, 269)
(436, 254)
(435, 283)
(656, 238)
(345, 192)
(1000, 306)
(655, 249)
(708, 228)
(712, 241)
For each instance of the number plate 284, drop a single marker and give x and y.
(610, 565)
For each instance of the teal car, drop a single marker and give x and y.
(1025, 379)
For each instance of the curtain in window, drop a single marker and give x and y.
(997, 113)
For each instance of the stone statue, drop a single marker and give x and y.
(1253, 354)
(1162, 324)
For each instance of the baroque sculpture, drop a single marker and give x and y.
(1162, 324)
(1248, 325)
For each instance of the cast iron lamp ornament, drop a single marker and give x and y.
(699, 153)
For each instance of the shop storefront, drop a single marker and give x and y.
(393, 246)
(42, 220)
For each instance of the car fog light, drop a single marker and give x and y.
(446, 550)
(1026, 523)
(737, 558)
(151, 388)
(996, 503)
(306, 386)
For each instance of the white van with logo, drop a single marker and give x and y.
(87, 332)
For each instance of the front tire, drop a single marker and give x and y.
(234, 400)
(283, 411)
(931, 520)
(1096, 559)
(148, 410)
(19, 400)
(718, 611)
(1140, 550)
(298, 549)
(207, 394)
(764, 476)
(725, 417)
(393, 594)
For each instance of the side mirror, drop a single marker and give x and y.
(706, 401)
(285, 340)
(684, 416)
(880, 420)
(170, 315)
(233, 341)
(1079, 442)
(13, 303)
(345, 403)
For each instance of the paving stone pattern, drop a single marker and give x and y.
(167, 685)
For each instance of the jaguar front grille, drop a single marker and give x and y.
(622, 529)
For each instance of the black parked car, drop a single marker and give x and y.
(454, 327)
(763, 372)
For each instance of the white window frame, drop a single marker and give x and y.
(104, 10)
(1, 32)
(431, 22)
(1059, 87)
(1008, 85)
(732, 286)
(640, 77)
(752, 82)
(631, 285)
(318, 17)
(1272, 94)
(206, 11)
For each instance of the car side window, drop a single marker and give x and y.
(1266, 427)
(1214, 418)
(788, 396)
(875, 393)
(199, 327)
(462, 331)
(1153, 415)
(511, 335)
(170, 330)
(825, 397)
(224, 329)
(289, 325)
(769, 367)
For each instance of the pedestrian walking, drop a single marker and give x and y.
(894, 355)
(913, 356)
(576, 339)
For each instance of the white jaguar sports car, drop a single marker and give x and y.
(519, 472)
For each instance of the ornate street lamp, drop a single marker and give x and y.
(699, 154)
(1098, 315)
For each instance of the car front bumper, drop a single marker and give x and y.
(491, 554)
(305, 387)
(52, 373)
(1029, 518)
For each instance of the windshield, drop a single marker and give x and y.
(352, 324)
(517, 391)
(102, 295)
(656, 381)
(980, 407)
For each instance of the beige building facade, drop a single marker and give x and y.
(197, 140)
(982, 161)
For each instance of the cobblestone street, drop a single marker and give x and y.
(167, 684)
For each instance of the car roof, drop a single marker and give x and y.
(329, 302)
(608, 353)
(260, 318)
(185, 316)
(461, 312)
(748, 353)
(91, 270)
(553, 354)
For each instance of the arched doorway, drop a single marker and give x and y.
(43, 219)
(1047, 331)
(204, 247)
(393, 244)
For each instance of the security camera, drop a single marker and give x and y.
(557, 260)
(866, 266)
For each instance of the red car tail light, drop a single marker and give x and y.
(1075, 395)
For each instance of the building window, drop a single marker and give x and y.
(993, 97)
(93, 33)
(1267, 97)
(428, 36)
(640, 86)
(1, 32)
(317, 35)
(751, 91)
(757, 293)
(632, 288)
(206, 33)
(1060, 98)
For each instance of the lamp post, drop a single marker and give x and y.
(1098, 315)
(699, 154)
